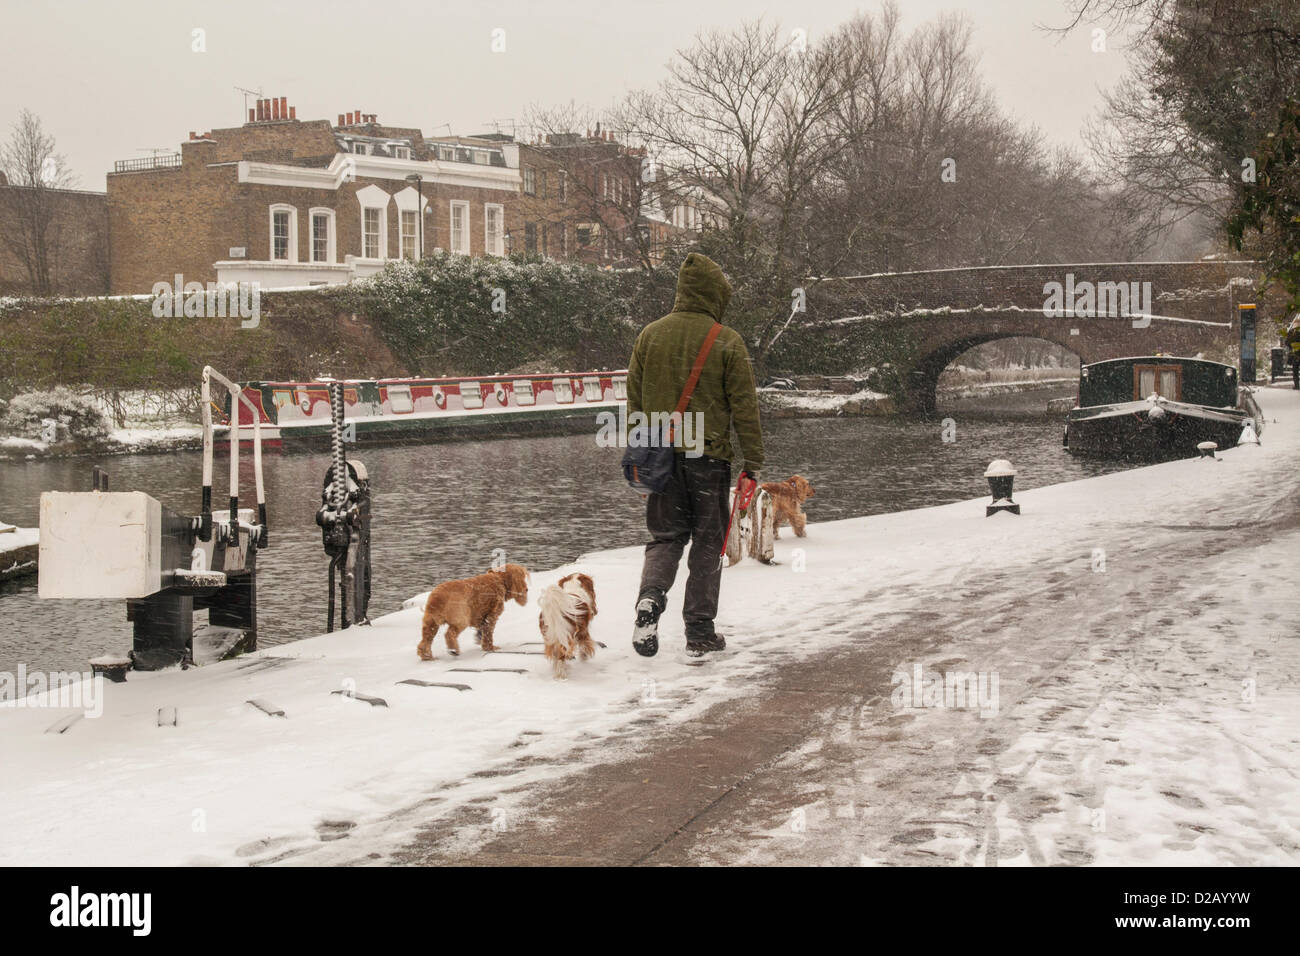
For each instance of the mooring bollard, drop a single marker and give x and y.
(1206, 449)
(1001, 477)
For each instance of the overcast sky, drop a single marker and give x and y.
(112, 80)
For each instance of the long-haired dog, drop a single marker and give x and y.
(787, 500)
(567, 609)
(474, 602)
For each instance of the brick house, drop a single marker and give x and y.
(288, 202)
(592, 199)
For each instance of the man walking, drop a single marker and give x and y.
(694, 506)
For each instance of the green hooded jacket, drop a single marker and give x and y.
(666, 349)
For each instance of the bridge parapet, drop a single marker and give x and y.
(1206, 290)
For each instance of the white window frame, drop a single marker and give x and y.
(471, 395)
(563, 390)
(530, 181)
(401, 233)
(399, 399)
(620, 389)
(591, 390)
(402, 152)
(382, 233)
(464, 247)
(293, 232)
(524, 393)
(331, 249)
(360, 149)
(494, 245)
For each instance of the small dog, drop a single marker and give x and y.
(474, 602)
(787, 500)
(567, 610)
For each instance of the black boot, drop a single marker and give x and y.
(645, 636)
(697, 645)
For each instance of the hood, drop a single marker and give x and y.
(701, 287)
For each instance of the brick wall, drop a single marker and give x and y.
(77, 242)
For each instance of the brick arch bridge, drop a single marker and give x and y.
(923, 320)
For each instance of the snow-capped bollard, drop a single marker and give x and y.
(1206, 449)
(1001, 476)
(112, 667)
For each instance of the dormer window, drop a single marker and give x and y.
(402, 152)
(361, 149)
(447, 153)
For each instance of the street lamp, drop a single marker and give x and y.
(418, 181)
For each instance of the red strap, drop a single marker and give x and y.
(691, 382)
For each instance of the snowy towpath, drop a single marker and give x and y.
(1146, 712)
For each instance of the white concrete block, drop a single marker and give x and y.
(100, 545)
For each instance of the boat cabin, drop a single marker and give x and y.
(1192, 381)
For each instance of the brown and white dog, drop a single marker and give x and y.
(474, 602)
(787, 501)
(566, 612)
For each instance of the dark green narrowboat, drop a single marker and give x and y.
(1156, 407)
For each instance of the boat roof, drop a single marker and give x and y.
(420, 379)
(1157, 359)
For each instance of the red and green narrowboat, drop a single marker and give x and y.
(423, 409)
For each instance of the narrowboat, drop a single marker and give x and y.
(1155, 407)
(395, 410)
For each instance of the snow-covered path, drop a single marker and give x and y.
(1140, 627)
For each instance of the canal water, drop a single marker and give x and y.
(439, 511)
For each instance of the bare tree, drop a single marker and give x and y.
(34, 170)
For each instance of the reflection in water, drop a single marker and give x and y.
(440, 510)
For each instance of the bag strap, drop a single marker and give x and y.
(691, 382)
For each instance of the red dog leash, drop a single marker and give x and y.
(745, 488)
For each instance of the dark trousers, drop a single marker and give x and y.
(693, 508)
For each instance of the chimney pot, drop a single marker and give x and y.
(293, 112)
(252, 115)
(275, 108)
(340, 119)
(284, 107)
(259, 111)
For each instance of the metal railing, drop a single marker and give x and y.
(164, 161)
